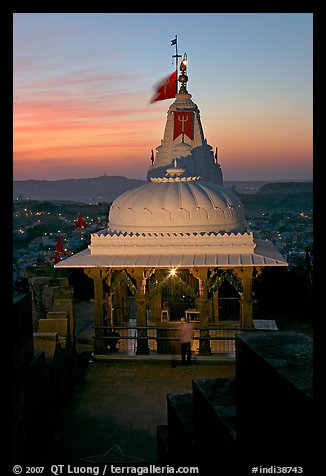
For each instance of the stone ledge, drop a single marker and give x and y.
(215, 407)
(289, 353)
(180, 427)
(46, 342)
(274, 399)
(54, 325)
(182, 404)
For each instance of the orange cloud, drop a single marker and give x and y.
(64, 123)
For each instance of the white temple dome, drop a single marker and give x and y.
(178, 204)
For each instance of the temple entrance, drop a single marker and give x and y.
(178, 300)
(180, 293)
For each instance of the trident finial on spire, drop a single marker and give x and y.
(183, 78)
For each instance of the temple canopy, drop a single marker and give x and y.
(147, 250)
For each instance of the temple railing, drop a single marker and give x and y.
(164, 340)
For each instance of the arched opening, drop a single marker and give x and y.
(228, 302)
(179, 300)
(178, 293)
(122, 291)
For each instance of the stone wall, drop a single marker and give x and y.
(32, 408)
(22, 331)
(274, 400)
(44, 364)
(261, 418)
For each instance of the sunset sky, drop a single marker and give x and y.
(83, 84)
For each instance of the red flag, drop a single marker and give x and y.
(183, 124)
(59, 247)
(80, 222)
(166, 89)
(56, 257)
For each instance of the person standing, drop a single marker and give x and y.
(185, 333)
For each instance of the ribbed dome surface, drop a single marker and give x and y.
(178, 206)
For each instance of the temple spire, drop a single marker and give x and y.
(184, 137)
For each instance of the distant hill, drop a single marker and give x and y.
(246, 186)
(99, 189)
(286, 187)
(279, 197)
(256, 195)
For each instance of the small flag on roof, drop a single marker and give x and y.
(56, 257)
(59, 247)
(80, 222)
(58, 250)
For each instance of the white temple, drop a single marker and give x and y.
(183, 219)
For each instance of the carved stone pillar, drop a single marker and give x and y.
(98, 275)
(215, 307)
(246, 302)
(109, 309)
(118, 303)
(156, 300)
(157, 305)
(119, 296)
(108, 281)
(204, 308)
(142, 339)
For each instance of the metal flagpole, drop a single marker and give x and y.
(176, 56)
